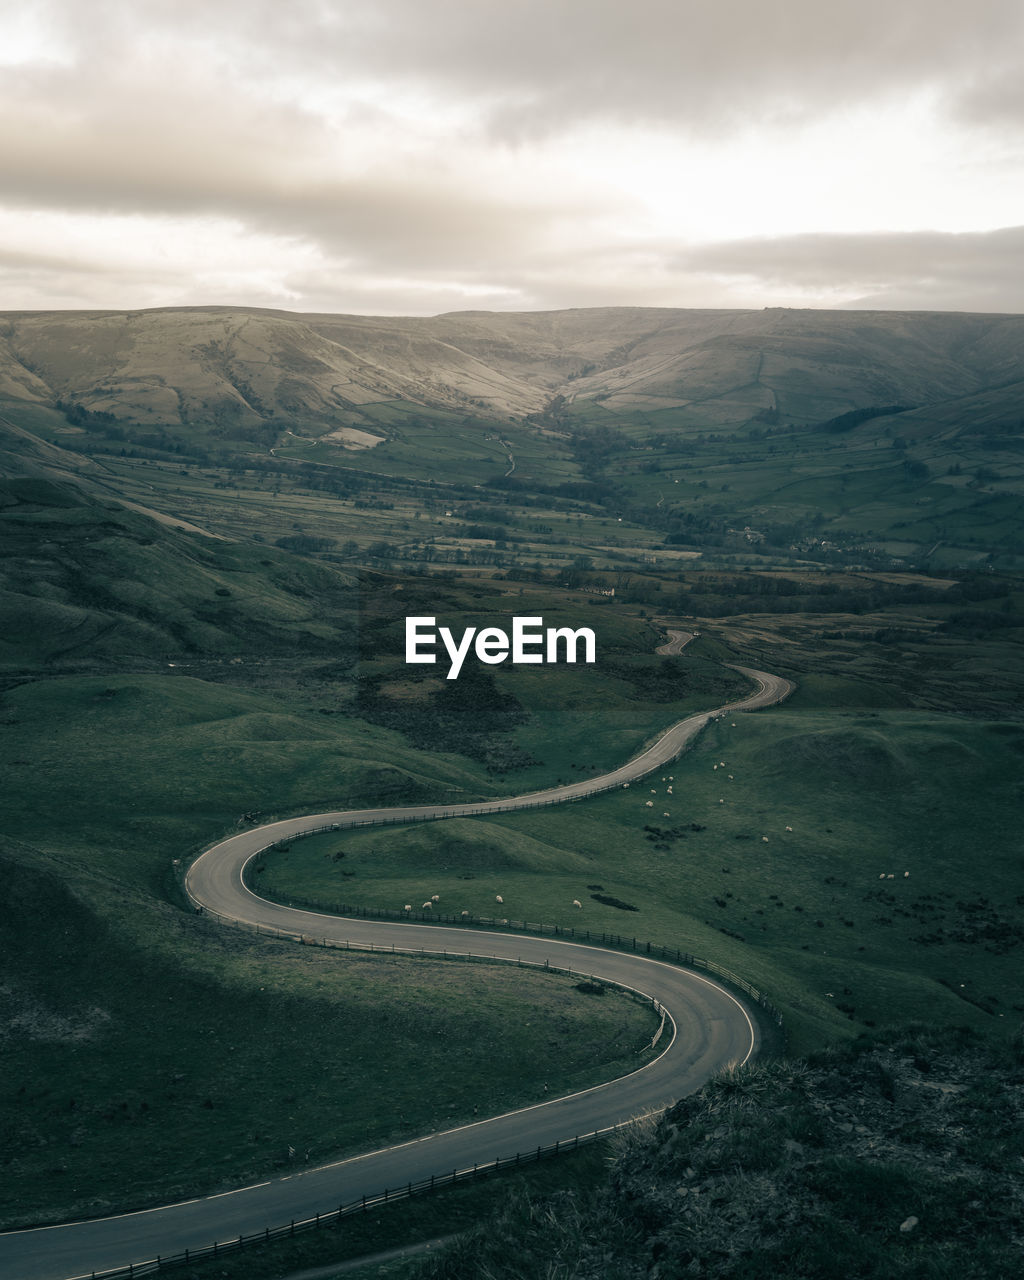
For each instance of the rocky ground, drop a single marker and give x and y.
(892, 1158)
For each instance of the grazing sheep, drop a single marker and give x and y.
(890, 877)
(426, 906)
(625, 786)
(789, 828)
(649, 804)
(882, 876)
(906, 875)
(577, 904)
(765, 839)
(666, 814)
(436, 898)
(407, 907)
(464, 914)
(499, 898)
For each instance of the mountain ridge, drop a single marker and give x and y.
(237, 364)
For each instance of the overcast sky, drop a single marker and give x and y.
(418, 156)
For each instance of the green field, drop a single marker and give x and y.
(764, 858)
(161, 688)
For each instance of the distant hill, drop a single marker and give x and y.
(223, 365)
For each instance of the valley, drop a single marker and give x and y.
(214, 525)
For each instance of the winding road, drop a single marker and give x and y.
(707, 1028)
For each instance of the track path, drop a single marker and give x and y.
(707, 1028)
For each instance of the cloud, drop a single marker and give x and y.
(497, 154)
(535, 67)
(980, 271)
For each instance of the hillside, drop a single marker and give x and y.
(891, 1158)
(229, 365)
(766, 438)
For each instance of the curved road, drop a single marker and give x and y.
(706, 1029)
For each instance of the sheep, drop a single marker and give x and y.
(499, 898)
(789, 828)
(649, 804)
(906, 875)
(426, 906)
(882, 876)
(765, 839)
(436, 898)
(464, 914)
(577, 904)
(407, 907)
(666, 814)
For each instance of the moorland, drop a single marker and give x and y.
(214, 523)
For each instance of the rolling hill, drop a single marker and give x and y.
(225, 364)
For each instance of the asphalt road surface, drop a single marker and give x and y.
(707, 1028)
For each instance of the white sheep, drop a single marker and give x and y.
(426, 906)
(765, 839)
(882, 876)
(789, 828)
(407, 907)
(649, 804)
(436, 898)
(906, 875)
(666, 814)
(499, 898)
(464, 914)
(577, 904)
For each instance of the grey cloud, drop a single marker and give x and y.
(979, 271)
(531, 66)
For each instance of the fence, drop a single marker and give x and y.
(224, 1248)
(612, 941)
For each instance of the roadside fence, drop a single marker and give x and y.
(610, 941)
(334, 1218)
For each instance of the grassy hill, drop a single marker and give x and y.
(213, 524)
(781, 436)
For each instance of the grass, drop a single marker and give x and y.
(410, 1223)
(843, 1165)
(804, 913)
(160, 1056)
